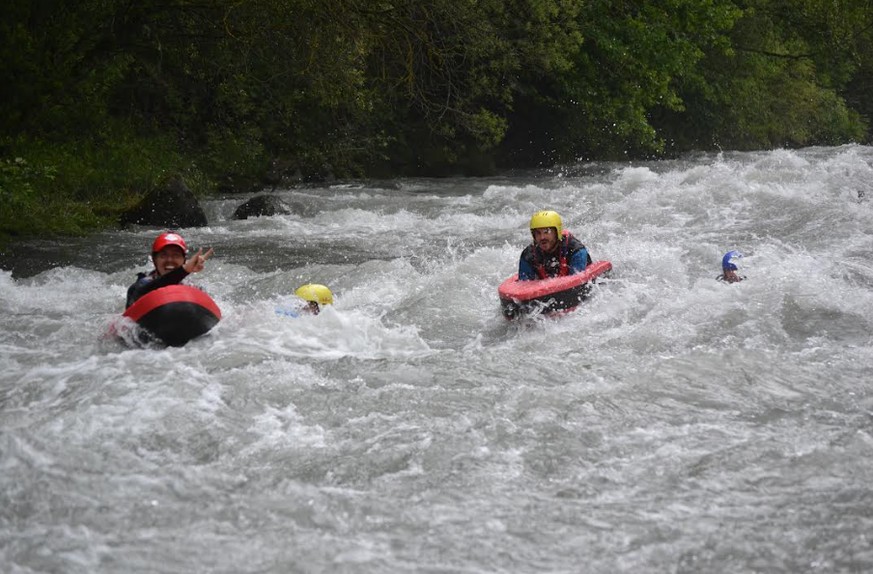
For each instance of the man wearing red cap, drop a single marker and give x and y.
(171, 267)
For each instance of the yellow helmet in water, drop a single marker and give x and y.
(315, 293)
(546, 219)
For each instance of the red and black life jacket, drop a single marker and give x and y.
(563, 268)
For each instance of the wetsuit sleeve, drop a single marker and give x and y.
(134, 291)
(580, 260)
(526, 272)
(145, 284)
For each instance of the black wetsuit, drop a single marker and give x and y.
(147, 282)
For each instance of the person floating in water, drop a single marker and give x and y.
(554, 251)
(171, 266)
(729, 268)
(311, 297)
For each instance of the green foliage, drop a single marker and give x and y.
(109, 97)
(629, 59)
(82, 185)
(25, 206)
(438, 71)
(19, 181)
(775, 87)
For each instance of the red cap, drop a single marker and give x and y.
(169, 238)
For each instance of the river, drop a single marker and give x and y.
(673, 423)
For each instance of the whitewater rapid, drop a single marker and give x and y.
(673, 423)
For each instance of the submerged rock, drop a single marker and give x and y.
(171, 206)
(265, 205)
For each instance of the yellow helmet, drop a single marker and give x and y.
(546, 219)
(315, 293)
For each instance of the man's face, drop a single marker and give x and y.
(730, 276)
(168, 259)
(546, 238)
(311, 308)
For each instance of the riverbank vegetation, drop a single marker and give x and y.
(103, 100)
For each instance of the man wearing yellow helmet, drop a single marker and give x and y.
(554, 251)
(315, 295)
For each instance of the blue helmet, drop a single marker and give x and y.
(726, 262)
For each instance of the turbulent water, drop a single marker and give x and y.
(673, 423)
